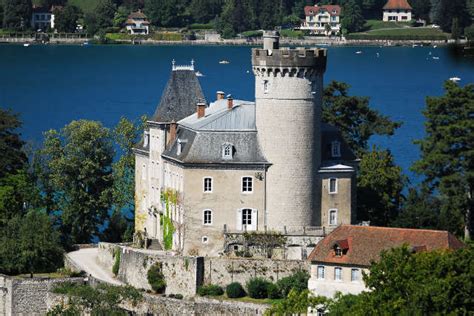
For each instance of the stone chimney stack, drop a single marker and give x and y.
(271, 40)
(230, 102)
(201, 109)
(220, 95)
(173, 128)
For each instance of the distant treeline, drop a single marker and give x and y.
(229, 17)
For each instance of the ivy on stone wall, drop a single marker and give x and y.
(170, 198)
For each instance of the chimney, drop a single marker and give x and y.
(173, 127)
(201, 109)
(230, 102)
(220, 95)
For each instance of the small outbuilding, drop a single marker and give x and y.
(397, 11)
(337, 262)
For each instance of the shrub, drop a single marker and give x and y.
(156, 279)
(235, 290)
(210, 290)
(116, 266)
(273, 291)
(257, 288)
(298, 281)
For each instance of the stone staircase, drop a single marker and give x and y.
(154, 244)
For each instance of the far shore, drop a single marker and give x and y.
(316, 41)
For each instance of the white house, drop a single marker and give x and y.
(137, 24)
(324, 19)
(338, 261)
(397, 10)
(42, 18)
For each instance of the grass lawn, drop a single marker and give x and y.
(412, 33)
(371, 25)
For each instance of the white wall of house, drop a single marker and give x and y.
(138, 28)
(42, 20)
(329, 285)
(318, 24)
(397, 15)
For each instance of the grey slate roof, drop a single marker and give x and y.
(330, 133)
(180, 97)
(219, 118)
(202, 139)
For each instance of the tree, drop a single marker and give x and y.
(421, 9)
(352, 19)
(444, 11)
(455, 30)
(203, 11)
(420, 210)
(79, 167)
(65, 19)
(165, 12)
(91, 23)
(353, 116)
(447, 157)
(121, 16)
(379, 187)
(469, 32)
(13, 157)
(16, 14)
(50, 3)
(234, 18)
(105, 12)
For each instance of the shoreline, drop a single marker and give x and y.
(231, 42)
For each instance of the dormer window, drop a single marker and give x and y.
(338, 251)
(180, 146)
(336, 149)
(227, 151)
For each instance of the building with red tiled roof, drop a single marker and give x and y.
(338, 260)
(322, 19)
(397, 10)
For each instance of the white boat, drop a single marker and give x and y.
(435, 57)
(359, 52)
(26, 44)
(199, 74)
(224, 62)
(455, 79)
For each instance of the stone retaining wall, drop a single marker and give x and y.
(27, 296)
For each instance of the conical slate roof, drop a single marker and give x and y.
(180, 97)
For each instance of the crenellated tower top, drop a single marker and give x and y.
(271, 60)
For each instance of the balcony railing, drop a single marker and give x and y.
(286, 230)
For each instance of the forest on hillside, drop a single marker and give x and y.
(229, 17)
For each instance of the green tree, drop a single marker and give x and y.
(105, 12)
(379, 187)
(204, 11)
(421, 9)
(17, 14)
(13, 157)
(297, 303)
(353, 116)
(121, 16)
(65, 19)
(444, 11)
(1, 13)
(234, 18)
(469, 32)
(352, 20)
(447, 157)
(79, 163)
(166, 13)
(91, 23)
(420, 210)
(455, 29)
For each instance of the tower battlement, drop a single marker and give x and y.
(300, 57)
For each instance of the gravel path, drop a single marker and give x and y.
(86, 259)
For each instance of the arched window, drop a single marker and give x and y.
(207, 217)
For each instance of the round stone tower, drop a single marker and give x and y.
(288, 93)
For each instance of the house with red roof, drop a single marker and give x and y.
(137, 23)
(397, 11)
(322, 19)
(337, 261)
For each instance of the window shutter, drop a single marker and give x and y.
(254, 219)
(239, 220)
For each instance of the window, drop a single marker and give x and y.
(338, 274)
(205, 239)
(355, 275)
(265, 86)
(143, 172)
(246, 217)
(338, 251)
(320, 273)
(247, 184)
(179, 149)
(333, 217)
(207, 217)
(146, 138)
(208, 184)
(336, 149)
(332, 185)
(227, 151)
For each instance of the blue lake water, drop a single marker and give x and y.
(51, 85)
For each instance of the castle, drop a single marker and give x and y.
(207, 174)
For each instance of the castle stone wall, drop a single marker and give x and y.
(27, 296)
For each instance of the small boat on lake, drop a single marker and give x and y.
(26, 44)
(359, 52)
(455, 79)
(199, 74)
(224, 62)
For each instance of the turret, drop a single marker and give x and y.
(288, 92)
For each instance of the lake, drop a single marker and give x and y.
(51, 85)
